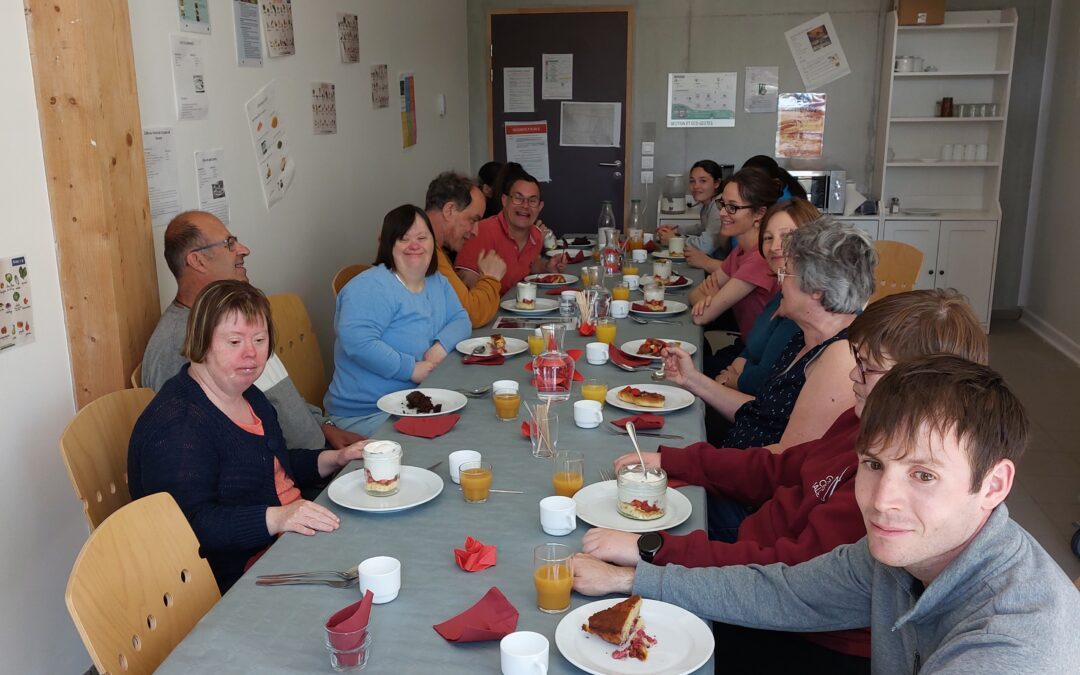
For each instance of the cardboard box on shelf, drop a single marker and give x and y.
(920, 12)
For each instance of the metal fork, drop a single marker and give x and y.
(294, 581)
(633, 369)
(636, 319)
(605, 475)
(348, 574)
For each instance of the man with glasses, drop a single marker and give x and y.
(514, 234)
(199, 249)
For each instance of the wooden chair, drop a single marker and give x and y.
(344, 275)
(897, 270)
(136, 376)
(298, 347)
(95, 447)
(139, 586)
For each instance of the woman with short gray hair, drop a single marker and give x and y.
(827, 277)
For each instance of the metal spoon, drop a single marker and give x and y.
(475, 393)
(632, 433)
(659, 374)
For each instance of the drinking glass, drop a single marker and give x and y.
(594, 390)
(475, 481)
(621, 291)
(605, 330)
(553, 576)
(543, 431)
(569, 474)
(507, 401)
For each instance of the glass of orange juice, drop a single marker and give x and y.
(475, 481)
(621, 291)
(630, 269)
(553, 576)
(537, 343)
(594, 390)
(605, 330)
(569, 474)
(507, 400)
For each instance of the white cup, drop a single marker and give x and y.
(524, 653)
(596, 353)
(639, 255)
(632, 280)
(504, 386)
(382, 576)
(588, 414)
(620, 309)
(947, 151)
(982, 152)
(558, 515)
(970, 152)
(675, 245)
(459, 457)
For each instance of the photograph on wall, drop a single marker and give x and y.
(278, 26)
(407, 91)
(16, 306)
(380, 86)
(348, 29)
(701, 99)
(189, 78)
(518, 90)
(800, 125)
(194, 16)
(324, 107)
(557, 76)
(527, 144)
(815, 46)
(590, 125)
(248, 35)
(210, 183)
(762, 88)
(273, 159)
(162, 174)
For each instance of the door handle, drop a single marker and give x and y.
(617, 164)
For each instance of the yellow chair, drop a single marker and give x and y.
(139, 586)
(298, 347)
(897, 270)
(136, 376)
(95, 447)
(344, 275)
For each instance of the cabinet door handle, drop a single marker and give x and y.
(940, 272)
(930, 272)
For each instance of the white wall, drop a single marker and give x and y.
(345, 182)
(43, 523)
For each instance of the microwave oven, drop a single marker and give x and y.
(824, 189)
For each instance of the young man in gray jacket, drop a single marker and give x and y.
(944, 579)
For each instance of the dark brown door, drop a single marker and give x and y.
(581, 177)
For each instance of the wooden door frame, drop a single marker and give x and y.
(628, 105)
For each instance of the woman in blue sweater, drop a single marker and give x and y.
(394, 323)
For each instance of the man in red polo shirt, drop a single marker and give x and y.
(514, 234)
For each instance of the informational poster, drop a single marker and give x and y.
(278, 24)
(194, 16)
(407, 91)
(348, 31)
(590, 125)
(162, 173)
(324, 107)
(16, 305)
(527, 144)
(210, 181)
(557, 76)
(762, 88)
(380, 86)
(800, 125)
(274, 160)
(518, 90)
(248, 37)
(815, 46)
(189, 83)
(701, 99)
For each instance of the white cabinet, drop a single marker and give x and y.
(868, 225)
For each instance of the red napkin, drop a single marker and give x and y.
(347, 628)
(644, 421)
(630, 360)
(490, 360)
(678, 281)
(525, 430)
(558, 291)
(475, 556)
(426, 427)
(575, 257)
(650, 245)
(574, 354)
(492, 618)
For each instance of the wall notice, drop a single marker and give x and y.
(815, 46)
(590, 125)
(189, 78)
(272, 156)
(557, 73)
(701, 99)
(210, 183)
(248, 37)
(380, 86)
(162, 173)
(800, 125)
(278, 24)
(527, 144)
(518, 90)
(16, 306)
(194, 16)
(762, 88)
(348, 27)
(324, 107)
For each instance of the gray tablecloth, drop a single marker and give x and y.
(280, 629)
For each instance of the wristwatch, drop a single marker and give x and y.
(649, 545)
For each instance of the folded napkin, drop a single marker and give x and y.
(492, 618)
(475, 556)
(630, 360)
(678, 281)
(526, 430)
(650, 245)
(347, 628)
(558, 291)
(644, 421)
(574, 354)
(489, 360)
(575, 257)
(426, 427)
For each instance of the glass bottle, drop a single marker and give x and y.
(635, 231)
(553, 370)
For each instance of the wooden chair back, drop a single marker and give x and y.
(95, 448)
(897, 270)
(136, 376)
(139, 586)
(298, 348)
(344, 275)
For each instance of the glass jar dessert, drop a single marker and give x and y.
(641, 492)
(382, 468)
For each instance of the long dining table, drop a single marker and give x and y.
(256, 629)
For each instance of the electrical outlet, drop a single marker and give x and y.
(646, 177)
(648, 148)
(647, 161)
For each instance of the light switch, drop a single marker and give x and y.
(647, 161)
(646, 177)
(648, 148)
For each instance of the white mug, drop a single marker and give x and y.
(524, 653)
(459, 457)
(982, 151)
(620, 309)
(558, 515)
(639, 255)
(632, 280)
(382, 576)
(647, 237)
(596, 353)
(970, 152)
(675, 245)
(947, 152)
(588, 414)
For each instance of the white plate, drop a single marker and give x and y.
(513, 346)
(570, 279)
(674, 398)
(417, 486)
(394, 403)
(574, 252)
(683, 641)
(671, 307)
(921, 212)
(665, 254)
(632, 346)
(543, 306)
(647, 279)
(596, 506)
(565, 243)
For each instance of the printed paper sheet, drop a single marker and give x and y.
(815, 46)
(800, 126)
(762, 89)
(380, 86)
(16, 303)
(272, 152)
(701, 99)
(527, 144)
(324, 108)
(189, 83)
(210, 180)
(194, 16)
(590, 125)
(518, 90)
(162, 174)
(349, 38)
(278, 24)
(248, 36)
(557, 73)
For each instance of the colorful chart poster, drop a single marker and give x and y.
(701, 99)
(380, 86)
(348, 29)
(527, 144)
(16, 305)
(275, 164)
(800, 125)
(324, 107)
(162, 174)
(278, 25)
(194, 16)
(762, 89)
(248, 37)
(815, 46)
(407, 89)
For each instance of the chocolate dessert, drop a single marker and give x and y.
(421, 403)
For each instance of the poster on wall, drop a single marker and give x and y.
(800, 125)
(518, 90)
(348, 31)
(162, 174)
(273, 159)
(590, 125)
(557, 76)
(16, 306)
(762, 88)
(324, 107)
(194, 16)
(189, 81)
(407, 91)
(815, 46)
(380, 86)
(210, 183)
(278, 24)
(701, 99)
(527, 144)
(248, 36)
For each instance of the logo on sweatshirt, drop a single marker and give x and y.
(824, 488)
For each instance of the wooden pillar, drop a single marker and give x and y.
(88, 106)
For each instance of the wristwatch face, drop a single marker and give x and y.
(649, 544)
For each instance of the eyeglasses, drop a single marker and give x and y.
(863, 370)
(781, 275)
(229, 243)
(518, 199)
(732, 209)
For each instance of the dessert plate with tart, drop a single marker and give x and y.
(651, 397)
(421, 402)
(673, 282)
(492, 345)
(551, 280)
(664, 253)
(671, 308)
(540, 306)
(416, 486)
(598, 505)
(676, 641)
(650, 348)
(576, 242)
